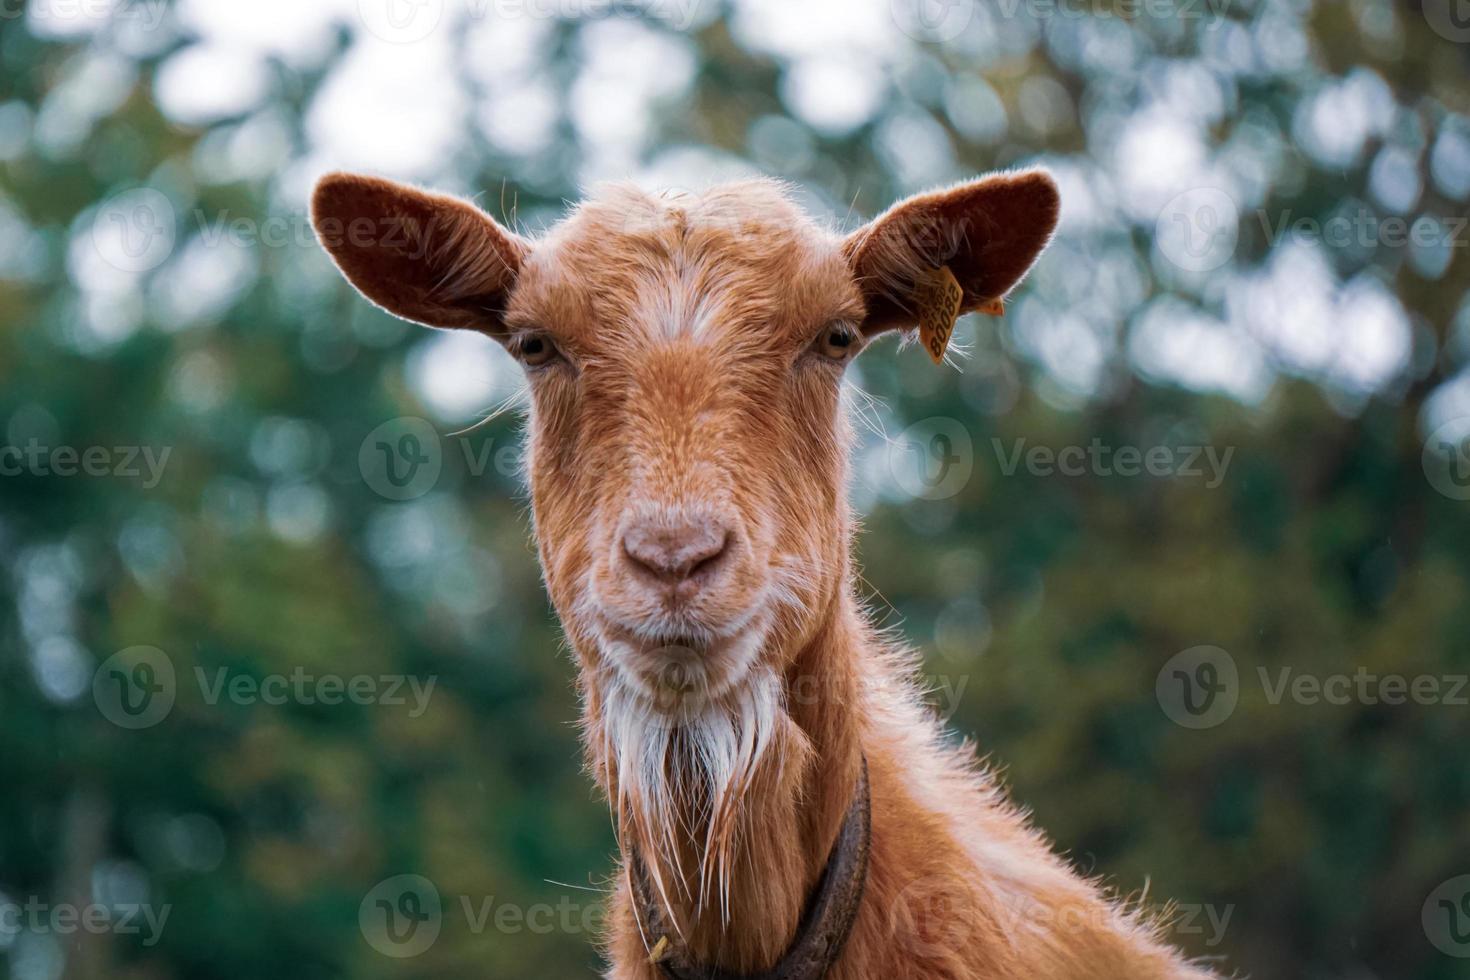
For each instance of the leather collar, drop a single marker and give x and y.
(824, 926)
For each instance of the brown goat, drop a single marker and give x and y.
(785, 805)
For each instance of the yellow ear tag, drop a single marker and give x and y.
(937, 296)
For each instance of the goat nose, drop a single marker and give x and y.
(677, 551)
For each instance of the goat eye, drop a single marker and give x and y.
(838, 341)
(535, 350)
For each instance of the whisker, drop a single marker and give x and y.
(515, 398)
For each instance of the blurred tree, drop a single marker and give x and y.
(1262, 256)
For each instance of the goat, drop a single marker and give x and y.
(785, 806)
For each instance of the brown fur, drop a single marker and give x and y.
(687, 382)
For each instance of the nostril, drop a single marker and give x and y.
(709, 558)
(676, 554)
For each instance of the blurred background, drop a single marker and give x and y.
(1166, 539)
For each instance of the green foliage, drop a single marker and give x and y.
(1047, 604)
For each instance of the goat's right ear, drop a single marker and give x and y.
(986, 232)
(429, 258)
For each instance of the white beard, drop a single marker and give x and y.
(687, 743)
(686, 765)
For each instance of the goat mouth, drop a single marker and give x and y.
(681, 673)
(678, 641)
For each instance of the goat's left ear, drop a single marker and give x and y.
(987, 232)
(429, 258)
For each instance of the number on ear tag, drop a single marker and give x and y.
(938, 297)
